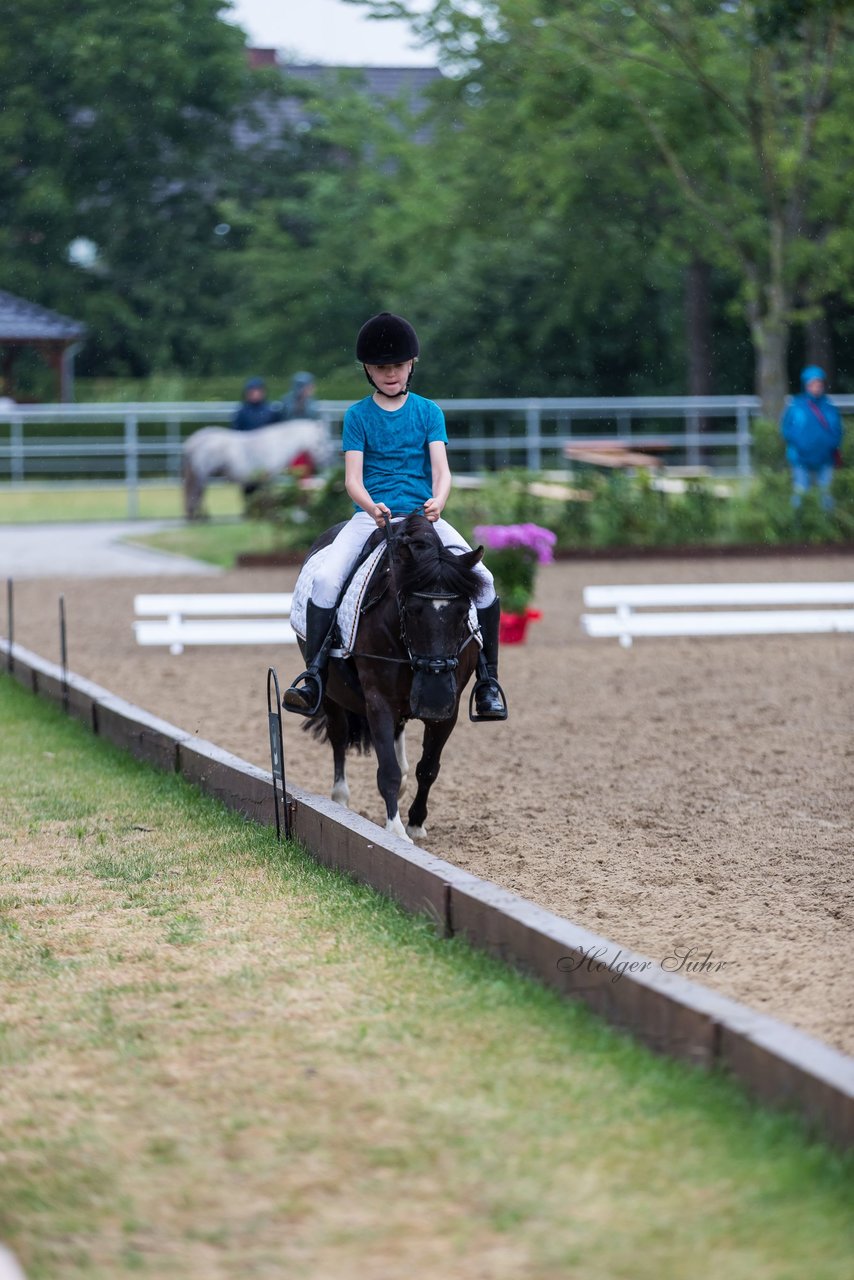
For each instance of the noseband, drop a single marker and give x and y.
(430, 664)
(425, 662)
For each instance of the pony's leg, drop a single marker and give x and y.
(436, 734)
(389, 772)
(336, 729)
(400, 752)
(192, 490)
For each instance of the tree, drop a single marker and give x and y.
(312, 256)
(115, 129)
(746, 104)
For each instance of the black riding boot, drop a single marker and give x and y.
(305, 693)
(487, 700)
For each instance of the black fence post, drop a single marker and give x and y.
(277, 755)
(63, 653)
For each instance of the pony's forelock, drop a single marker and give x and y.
(431, 566)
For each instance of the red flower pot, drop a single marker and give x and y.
(512, 626)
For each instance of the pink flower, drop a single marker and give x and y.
(527, 537)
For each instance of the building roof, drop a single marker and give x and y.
(376, 83)
(379, 82)
(24, 321)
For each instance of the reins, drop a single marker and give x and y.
(435, 664)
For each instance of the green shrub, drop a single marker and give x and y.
(768, 449)
(300, 515)
(763, 514)
(625, 511)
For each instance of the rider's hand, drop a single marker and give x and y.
(379, 513)
(432, 510)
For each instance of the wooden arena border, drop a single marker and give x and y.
(669, 1013)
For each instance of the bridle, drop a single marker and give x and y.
(433, 664)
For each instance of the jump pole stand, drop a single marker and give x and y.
(277, 756)
(63, 653)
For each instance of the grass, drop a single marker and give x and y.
(218, 542)
(219, 1059)
(34, 504)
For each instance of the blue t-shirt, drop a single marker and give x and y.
(396, 446)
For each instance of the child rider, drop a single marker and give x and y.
(395, 460)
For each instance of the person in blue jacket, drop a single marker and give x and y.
(300, 401)
(812, 429)
(256, 410)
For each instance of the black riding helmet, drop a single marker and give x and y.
(386, 339)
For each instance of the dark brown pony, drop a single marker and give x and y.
(414, 655)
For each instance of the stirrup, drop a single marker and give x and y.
(492, 684)
(302, 708)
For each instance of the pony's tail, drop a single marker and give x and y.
(358, 731)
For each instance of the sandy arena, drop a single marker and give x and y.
(681, 797)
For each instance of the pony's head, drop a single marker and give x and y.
(435, 588)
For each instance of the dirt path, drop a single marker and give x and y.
(682, 797)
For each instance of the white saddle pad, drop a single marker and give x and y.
(349, 610)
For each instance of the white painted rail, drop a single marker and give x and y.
(225, 619)
(754, 617)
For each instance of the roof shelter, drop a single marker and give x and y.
(53, 336)
(378, 84)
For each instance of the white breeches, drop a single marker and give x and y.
(344, 552)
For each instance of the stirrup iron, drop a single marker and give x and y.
(493, 683)
(295, 685)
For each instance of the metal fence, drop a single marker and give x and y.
(133, 443)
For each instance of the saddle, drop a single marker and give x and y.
(367, 584)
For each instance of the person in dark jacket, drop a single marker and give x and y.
(256, 410)
(300, 402)
(812, 429)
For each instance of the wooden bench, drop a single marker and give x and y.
(739, 608)
(245, 618)
(614, 453)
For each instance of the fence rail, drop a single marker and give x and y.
(68, 441)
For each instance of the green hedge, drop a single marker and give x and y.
(620, 511)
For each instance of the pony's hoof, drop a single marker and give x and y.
(395, 827)
(417, 833)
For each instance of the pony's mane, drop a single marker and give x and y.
(431, 566)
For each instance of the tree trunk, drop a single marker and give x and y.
(698, 334)
(771, 345)
(819, 345)
(769, 326)
(698, 328)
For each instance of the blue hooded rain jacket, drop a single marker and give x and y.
(811, 426)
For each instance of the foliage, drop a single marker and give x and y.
(619, 511)
(730, 121)
(115, 131)
(515, 551)
(633, 139)
(624, 511)
(767, 447)
(763, 514)
(298, 513)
